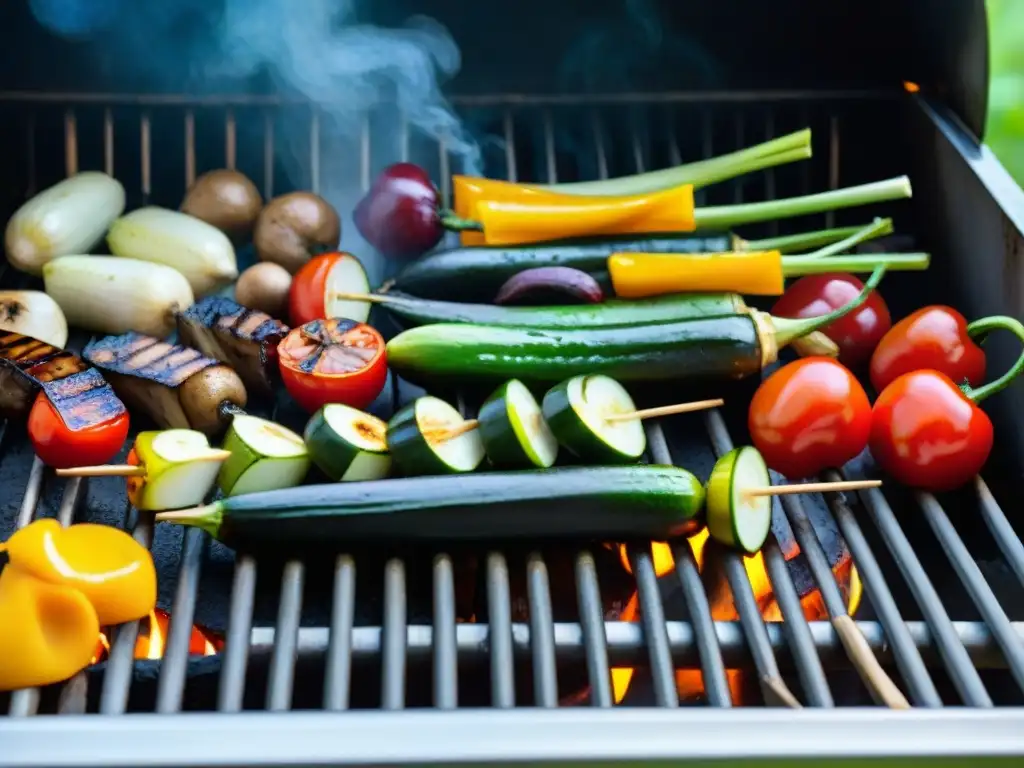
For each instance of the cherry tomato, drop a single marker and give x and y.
(315, 289)
(62, 447)
(333, 361)
(809, 415)
(927, 433)
(934, 337)
(857, 333)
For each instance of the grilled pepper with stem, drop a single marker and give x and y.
(733, 347)
(591, 503)
(752, 273)
(402, 216)
(73, 414)
(178, 387)
(475, 274)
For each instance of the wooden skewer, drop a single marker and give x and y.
(666, 410)
(373, 298)
(441, 435)
(130, 470)
(841, 485)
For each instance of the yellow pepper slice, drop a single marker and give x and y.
(470, 190)
(113, 571)
(47, 631)
(753, 273)
(549, 216)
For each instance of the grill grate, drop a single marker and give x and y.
(553, 140)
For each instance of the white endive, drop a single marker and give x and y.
(199, 251)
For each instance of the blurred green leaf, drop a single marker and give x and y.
(1005, 131)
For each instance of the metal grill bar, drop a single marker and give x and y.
(339, 649)
(542, 632)
(1002, 531)
(592, 628)
(282, 662)
(171, 686)
(236, 646)
(446, 664)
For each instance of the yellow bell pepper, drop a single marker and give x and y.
(48, 631)
(113, 571)
(546, 216)
(638, 275)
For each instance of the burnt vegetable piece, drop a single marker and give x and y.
(550, 283)
(244, 339)
(180, 388)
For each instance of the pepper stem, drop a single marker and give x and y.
(795, 266)
(981, 328)
(454, 223)
(726, 217)
(788, 330)
(877, 228)
(208, 518)
(795, 243)
(785, 149)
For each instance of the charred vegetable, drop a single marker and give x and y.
(429, 437)
(733, 346)
(74, 417)
(548, 282)
(33, 313)
(178, 387)
(592, 503)
(347, 444)
(264, 457)
(244, 339)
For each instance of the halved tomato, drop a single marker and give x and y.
(315, 289)
(333, 361)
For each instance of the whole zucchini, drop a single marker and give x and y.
(731, 346)
(414, 311)
(476, 274)
(605, 503)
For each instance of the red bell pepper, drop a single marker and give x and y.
(929, 433)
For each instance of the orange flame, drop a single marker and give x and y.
(689, 682)
(910, 86)
(152, 640)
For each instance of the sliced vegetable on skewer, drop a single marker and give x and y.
(608, 503)
(430, 437)
(35, 314)
(759, 273)
(739, 498)
(333, 361)
(171, 469)
(476, 274)
(733, 347)
(264, 457)
(347, 444)
(178, 387)
(316, 287)
(595, 418)
(513, 429)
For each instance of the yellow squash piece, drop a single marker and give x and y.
(752, 273)
(114, 572)
(544, 216)
(47, 631)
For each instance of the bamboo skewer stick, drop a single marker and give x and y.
(667, 410)
(441, 435)
(131, 470)
(785, 490)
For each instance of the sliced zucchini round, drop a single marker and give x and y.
(416, 439)
(264, 457)
(734, 517)
(514, 431)
(347, 444)
(577, 411)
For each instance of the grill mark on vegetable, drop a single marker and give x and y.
(84, 399)
(133, 354)
(245, 324)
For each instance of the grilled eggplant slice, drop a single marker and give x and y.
(244, 339)
(179, 387)
(77, 391)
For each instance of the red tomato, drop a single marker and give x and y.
(933, 337)
(809, 415)
(857, 333)
(333, 361)
(315, 289)
(62, 448)
(927, 433)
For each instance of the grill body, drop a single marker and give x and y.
(371, 641)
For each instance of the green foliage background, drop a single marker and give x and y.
(1005, 132)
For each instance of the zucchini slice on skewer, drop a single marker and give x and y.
(577, 411)
(735, 517)
(347, 444)
(513, 429)
(264, 457)
(430, 437)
